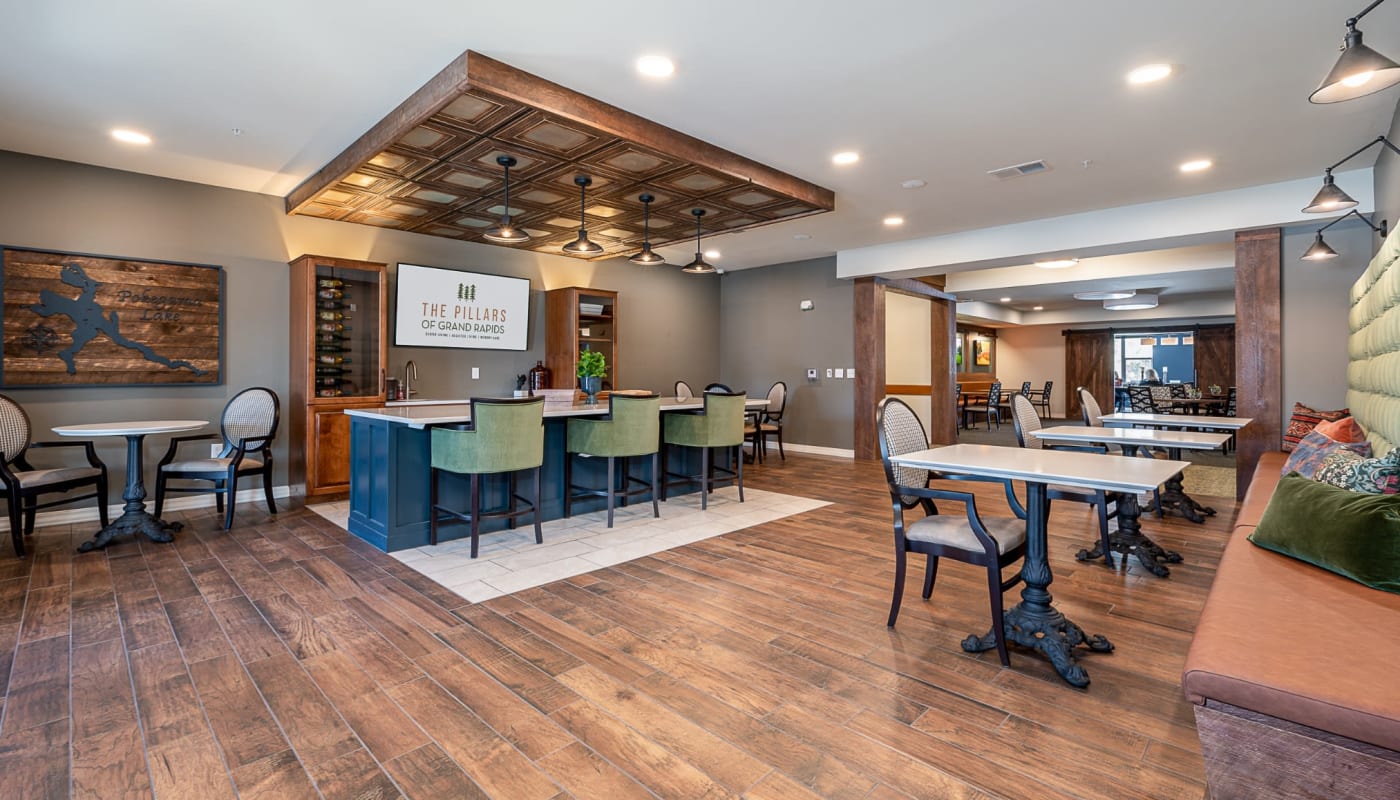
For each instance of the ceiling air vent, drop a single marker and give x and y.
(1017, 170)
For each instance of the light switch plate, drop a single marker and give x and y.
(476, 373)
(811, 373)
(828, 372)
(840, 373)
(851, 372)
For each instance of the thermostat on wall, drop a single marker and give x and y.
(805, 305)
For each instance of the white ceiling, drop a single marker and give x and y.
(938, 91)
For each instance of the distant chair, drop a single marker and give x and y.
(247, 427)
(1027, 422)
(23, 484)
(993, 543)
(1140, 400)
(1093, 418)
(1042, 400)
(719, 387)
(991, 408)
(683, 391)
(959, 421)
(1161, 399)
(769, 420)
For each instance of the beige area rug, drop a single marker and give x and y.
(1213, 481)
(510, 561)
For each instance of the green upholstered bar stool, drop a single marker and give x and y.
(504, 436)
(632, 428)
(721, 424)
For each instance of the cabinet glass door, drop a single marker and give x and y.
(345, 314)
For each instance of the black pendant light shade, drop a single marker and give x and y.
(1329, 198)
(1359, 70)
(582, 246)
(1319, 251)
(699, 266)
(505, 231)
(647, 256)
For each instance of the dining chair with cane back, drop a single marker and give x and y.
(768, 421)
(632, 428)
(23, 483)
(683, 391)
(247, 427)
(1093, 418)
(993, 543)
(1027, 422)
(504, 435)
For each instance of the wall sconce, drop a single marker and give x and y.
(805, 305)
(1321, 251)
(1359, 71)
(1330, 198)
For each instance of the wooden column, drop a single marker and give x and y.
(1258, 347)
(870, 364)
(943, 325)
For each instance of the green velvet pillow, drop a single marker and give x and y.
(1352, 534)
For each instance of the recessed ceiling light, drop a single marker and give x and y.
(914, 183)
(1121, 294)
(1057, 263)
(656, 66)
(130, 136)
(1197, 165)
(1004, 299)
(712, 254)
(845, 157)
(1037, 308)
(1149, 73)
(893, 221)
(802, 237)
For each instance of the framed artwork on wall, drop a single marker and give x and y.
(83, 320)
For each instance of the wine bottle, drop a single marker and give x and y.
(332, 359)
(330, 294)
(329, 393)
(331, 316)
(330, 305)
(325, 370)
(332, 327)
(330, 283)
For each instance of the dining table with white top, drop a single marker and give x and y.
(1035, 622)
(134, 518)
(1172, 498)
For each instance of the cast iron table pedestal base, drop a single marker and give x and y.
(134, 518)
(1174, 499)
(1130, 541)
(1034, 622)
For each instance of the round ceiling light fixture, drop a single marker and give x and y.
(893, 221)
(1138, 302)
(1149, 73)
(845, 157)
(1110, 294)
(654, 66)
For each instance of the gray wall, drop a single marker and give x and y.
(667, 318)
(1387, 178)
(766, 338)
(1315, 303)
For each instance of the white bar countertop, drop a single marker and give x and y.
(422, 413)
(1177, 420)
(1186, 440)
(1091, 470)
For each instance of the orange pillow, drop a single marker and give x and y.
(1342, 430)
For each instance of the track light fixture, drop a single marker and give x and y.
(582, 246)
(647, 257)
(1321, 251)
(699, 266)
(505, 231)
(1359, 70)
(1330, 198)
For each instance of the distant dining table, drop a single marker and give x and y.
(1197, 405)
(1131, 440)
(134, 518)
(1035, 622)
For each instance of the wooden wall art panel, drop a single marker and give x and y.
(430, 167)
(78, 320)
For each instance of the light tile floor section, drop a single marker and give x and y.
(510, 561)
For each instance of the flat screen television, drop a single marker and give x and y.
(435, 307)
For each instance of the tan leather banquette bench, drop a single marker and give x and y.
(1295, 674)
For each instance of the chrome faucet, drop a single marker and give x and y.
(410, 374)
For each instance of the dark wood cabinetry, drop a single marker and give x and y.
(337, 343)
(579, 319)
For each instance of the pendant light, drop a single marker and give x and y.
(505, 231)
(1321, 251)
(647, 257)
(698, 266)
(582, 246)
(1359, 70)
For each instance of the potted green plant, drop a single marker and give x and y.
(592, 366)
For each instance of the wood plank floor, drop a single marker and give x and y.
(286, 659)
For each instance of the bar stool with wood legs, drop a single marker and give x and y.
(631, 428)
(721, 424)
(504, 436)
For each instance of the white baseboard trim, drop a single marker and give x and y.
(813, 449)
(70, 516)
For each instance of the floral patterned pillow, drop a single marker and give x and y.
(1360, 474)
(1314, 449)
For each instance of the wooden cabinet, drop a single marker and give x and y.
(337, 339)
(579, 319)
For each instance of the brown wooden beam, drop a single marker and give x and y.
(870, 362)
(943, 338)
(917, 288)
(1258, 348)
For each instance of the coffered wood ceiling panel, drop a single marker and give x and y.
(430, 167)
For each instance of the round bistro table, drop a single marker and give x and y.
(134, 518)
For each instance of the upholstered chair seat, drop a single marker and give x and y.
(953, 531)
(631, 429)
